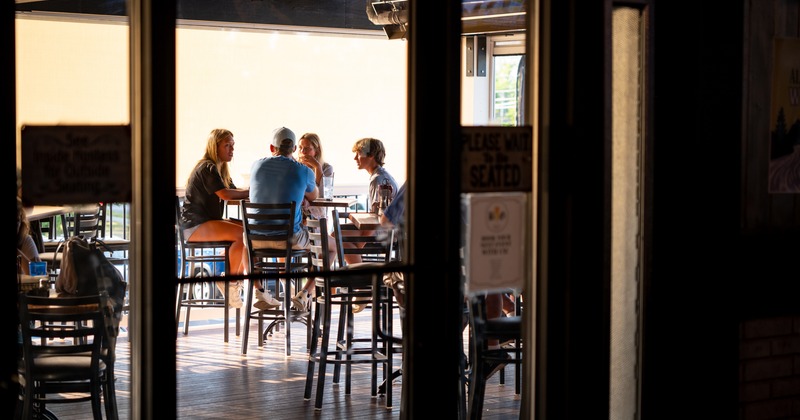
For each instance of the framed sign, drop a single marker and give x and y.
(496, 246)
(496, 159)
(76, 164)
(784, 163)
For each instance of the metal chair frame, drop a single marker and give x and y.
(80, 367)
(193, 256)
(266, 262)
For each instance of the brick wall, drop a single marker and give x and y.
(769, 369)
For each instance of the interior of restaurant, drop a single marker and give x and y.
(361, 93)
(656, 253)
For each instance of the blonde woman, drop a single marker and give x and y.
(209, 186)
(309, 153)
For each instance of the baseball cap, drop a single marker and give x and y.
(281, 134)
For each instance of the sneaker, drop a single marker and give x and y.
(358, 307)
(300, 301)
(235, 295)
(265, 301)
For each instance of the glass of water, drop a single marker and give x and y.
(327, 187)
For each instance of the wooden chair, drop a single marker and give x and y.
(265, 226)
(79, 368)
(199, 260)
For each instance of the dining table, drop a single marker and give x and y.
(35, 213)
(344, 202)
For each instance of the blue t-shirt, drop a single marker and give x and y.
(279, 179)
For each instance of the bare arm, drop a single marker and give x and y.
(311, 196)
(314, 165)
(229, 194)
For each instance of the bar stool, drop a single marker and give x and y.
(342, 291)
(266, 225)
(194, 258)
(481, 358)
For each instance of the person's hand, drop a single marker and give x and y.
(311, 162)
(314, 164)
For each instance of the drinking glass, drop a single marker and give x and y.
(327, 187)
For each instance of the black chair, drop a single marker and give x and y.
(344, 291)
(482, 359)
(198, 260)
(268, 234)
(49, 235)
(79, 367)
(116, 247)
(88, 221)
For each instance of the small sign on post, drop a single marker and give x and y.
(76, 164)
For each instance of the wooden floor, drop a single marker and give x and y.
(216, 381)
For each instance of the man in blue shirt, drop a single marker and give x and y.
(280, 179)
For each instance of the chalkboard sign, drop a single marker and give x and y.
(76, 164)
(496, 159)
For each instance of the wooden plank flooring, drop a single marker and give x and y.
(216, 381)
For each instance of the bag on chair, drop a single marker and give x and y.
(85, 270)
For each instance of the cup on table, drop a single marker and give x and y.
(327, 187)
(37, 268)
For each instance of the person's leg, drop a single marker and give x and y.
(509, 304)
(354, 258)
(494, 309)
(226, 230)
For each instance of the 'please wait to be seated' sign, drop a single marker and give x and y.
(496, 159)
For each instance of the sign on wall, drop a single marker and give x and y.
(784, 164)
(496, 159)
(76, 164)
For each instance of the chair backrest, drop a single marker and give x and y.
(88, 220)
(376, 247)
(268, 237)
(318, 234)
(81, 328)
(178, 224)
(105, 231)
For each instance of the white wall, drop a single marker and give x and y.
(343, 87)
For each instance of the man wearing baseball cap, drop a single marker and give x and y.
(281, 179)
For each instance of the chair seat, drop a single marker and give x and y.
(504, 328)
(338, 346)
(116, 243)
(65, 368)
